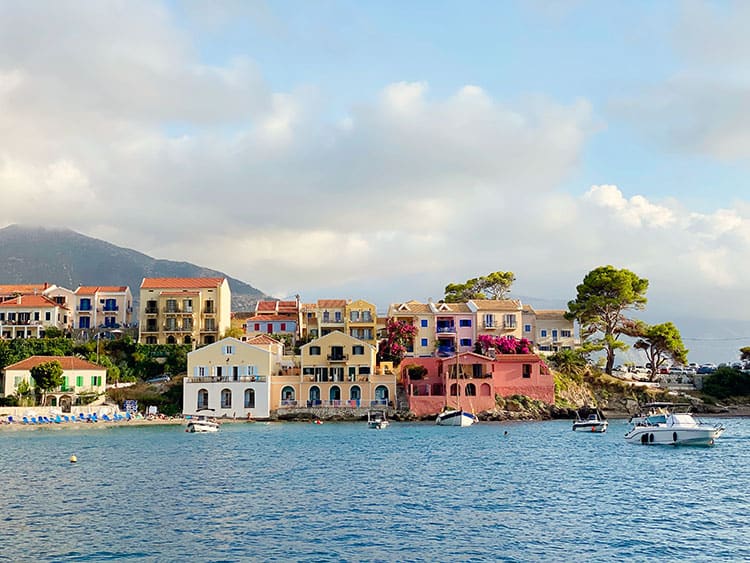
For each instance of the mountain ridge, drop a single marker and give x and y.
(30, 254)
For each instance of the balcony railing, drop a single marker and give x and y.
(510, 326)
(209, 328)
(288, 403)
(110, 308)
(150, 328)
(84, 308)
(446, 330)
(228, 379)
(152, 310)
(338, 357)
(168, 328)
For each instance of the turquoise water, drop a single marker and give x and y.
(342, 492)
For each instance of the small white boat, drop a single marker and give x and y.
(377, 420)
(456, 418)
(201, 424)
(592, 424)
(678, 429)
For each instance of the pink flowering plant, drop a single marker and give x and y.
(503, 344)
(398, 335)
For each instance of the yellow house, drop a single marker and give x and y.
(360, 319)
(498, 317)
(338, 370)
(184, 310)
(552, 332)
(422, 316)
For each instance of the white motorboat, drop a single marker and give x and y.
(677, 429)
(201, 424)
(655, 413)
(456, 418)
(377, 420)
(592, 424)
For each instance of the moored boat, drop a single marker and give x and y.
(201, 424)
(377, 420)
(678, 429)
(591, 424)
(456, 418)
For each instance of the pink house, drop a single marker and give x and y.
(426, 381)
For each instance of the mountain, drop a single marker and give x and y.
(70, 259)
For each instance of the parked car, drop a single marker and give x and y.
(159, 379)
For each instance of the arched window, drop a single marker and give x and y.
(53, 401)
(485, 390)
(355, 393)
(250, 398)
(188, 340)
(226, 398)
(335, 393)
(171, 340)
(470, 390)
(202, 399)
(437, 389)
(454, 389)
(381, 393)
(315, 393)
(287, 394)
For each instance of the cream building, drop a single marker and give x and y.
(29, 316)
(498, 317)
(107, 307)
(422, 316)
(552, 332)
(229, 378)
(79, 377)
(184, 310)
(360, 321)
(339, 370)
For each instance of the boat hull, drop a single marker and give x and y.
(198, 427)
(455, 418)
(673, 436)
(595, 427)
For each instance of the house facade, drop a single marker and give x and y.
(79, 377)
(471, 381)
(498, 317)
(103, 307)
(29, 316)
(228, 378)
(552, 331)
(184, 310)
(360, 321)
(339, 370)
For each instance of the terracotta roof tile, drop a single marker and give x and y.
(550, 313)
(175, 283)
(262, 339)
(92, 289)
(497, 304)
(30, 301)
(331, 303)
(67, 363)
(266, 318)
(23, 288)
(266, 306)
(453, 307)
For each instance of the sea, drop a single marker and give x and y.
(531, 491)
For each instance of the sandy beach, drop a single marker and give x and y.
(20, 426)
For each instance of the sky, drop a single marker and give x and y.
(381, 150)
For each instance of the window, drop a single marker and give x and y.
(257, 327)
(269, 328)
(84, 322)
(48, 316)
(326, 316)
(364, 370)
(423, 323)
(228, 350)
(354, 316)
(489, 320)
(543, 333)
(283, 326)
(527, 370)
(201, 371)
(79, 381)
(338, 316)
(565, 333)
(250, 398)
(527, 328)
(358, 350)
(424, 342)
(96, 380)
(509, 321)
(251, 370)
(308, 371)
(36, 315)
(466, 342)
(2, 316)
(554, 334)
(202, 399)
(171, 305)
(226, 399)
(187, 305)
(464, 322)
(315, 350)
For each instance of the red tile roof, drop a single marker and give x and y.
(262, 339)
(30, 301)
(266, 306)
(92, 289)
(67, 363)
(497, 304)
(23, 288)
(331, 303)
(176, 283)
(180, 293)
(288, 306)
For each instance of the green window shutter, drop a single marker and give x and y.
(79, 381)
(65, 382)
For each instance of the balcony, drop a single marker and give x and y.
(171, 310)
(110, 308)
(150, 328)
(227, 379)
(510, 326)
(338, 357)
(84, 309)
(492, 325)
(209, 310)
(448, 329)
(175, 328)
(209, 328)
(152, 310)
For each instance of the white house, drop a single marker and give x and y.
(228, 378)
